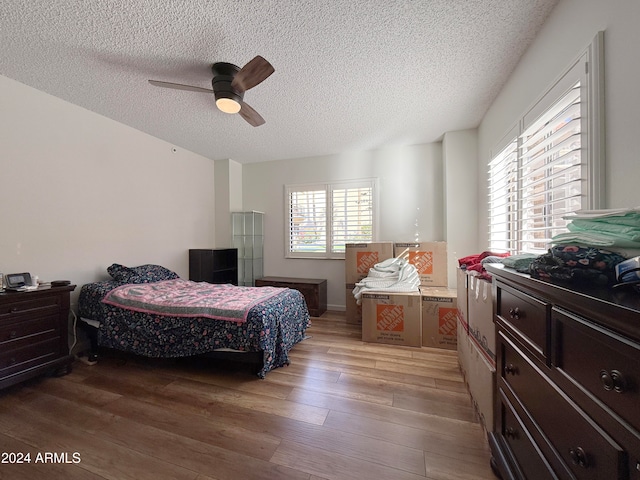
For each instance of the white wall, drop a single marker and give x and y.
(571, 27)
(460, 159)
(410, 189)
(228, 198)
(80, 192)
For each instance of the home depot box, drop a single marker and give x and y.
(353, 310)
(429, 258)
(480, 379)
(360, 257)
(463, 301)
(439, 317)
(480, 315)
(392, 318)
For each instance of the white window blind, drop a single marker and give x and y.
(503, 198)
(311, 232)
(550, 172)
(308, 221)
(352, 216)
(552, 164)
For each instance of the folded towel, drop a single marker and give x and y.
(603, 213)
(626, 232)
(393, 275)
(519, 262)
(593, 239)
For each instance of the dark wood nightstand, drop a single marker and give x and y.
(313, 289)
(33, 333)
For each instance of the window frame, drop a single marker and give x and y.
(588, 70)
(328, 188)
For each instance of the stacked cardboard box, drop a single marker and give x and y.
(462, 283)
(463, 326)
(480, 310)
(476, 343)
(436, 329)
(392, 318)
(429, 258)
(439, 317)
(359, 258)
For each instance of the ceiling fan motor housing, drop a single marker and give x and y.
(223, 74)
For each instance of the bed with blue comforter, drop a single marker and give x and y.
(132, 313)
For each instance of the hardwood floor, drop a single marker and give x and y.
(343, 409)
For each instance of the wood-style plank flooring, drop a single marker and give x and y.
(343, 409)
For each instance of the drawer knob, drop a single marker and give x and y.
(511, 433)
(613, 380)
(14, 309)
(579, 457)
(514, 313)
(510, 369)
(12, 361)
(13, 334)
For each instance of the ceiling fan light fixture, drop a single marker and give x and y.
(229, 83)
(228, 105)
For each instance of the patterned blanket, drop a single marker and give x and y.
(183, 298)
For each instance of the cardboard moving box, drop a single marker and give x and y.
(353, 310)
(462, 287)
(480, 380)
(429, 258)
(439, 317)
(463, 349)
(482, 329)
(360, 257)
(393, 318)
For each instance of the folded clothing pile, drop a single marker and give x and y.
(612, 228)
(392, 275)
(574, 263)
(475, 263)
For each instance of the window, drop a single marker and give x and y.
(551, 164)
(321, 218)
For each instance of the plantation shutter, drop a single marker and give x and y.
(321, 218)
(307, 221)
(352, 215)
(550, 172)
(503, 199)
(552, 163)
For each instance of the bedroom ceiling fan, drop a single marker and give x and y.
(229, 84)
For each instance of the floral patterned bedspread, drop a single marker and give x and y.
(184, 298)
(273, 326)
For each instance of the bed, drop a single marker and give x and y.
(242, 319)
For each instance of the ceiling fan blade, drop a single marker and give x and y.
(250, 115)
(179, 86)
(254, 72)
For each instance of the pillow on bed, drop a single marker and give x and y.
(142, 274)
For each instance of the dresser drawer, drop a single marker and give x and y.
(28, 356)
(15, 334)
(588, 451)
(526, 316)
(29, 306)
(600, 362)
(531, 462)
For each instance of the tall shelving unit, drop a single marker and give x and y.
(247, 231)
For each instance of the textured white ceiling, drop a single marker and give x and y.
(350, 74)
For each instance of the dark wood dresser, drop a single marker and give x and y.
(567, 380)
(313, 289)
(214, 265)
(33, 333)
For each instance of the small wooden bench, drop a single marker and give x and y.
(314, 290)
